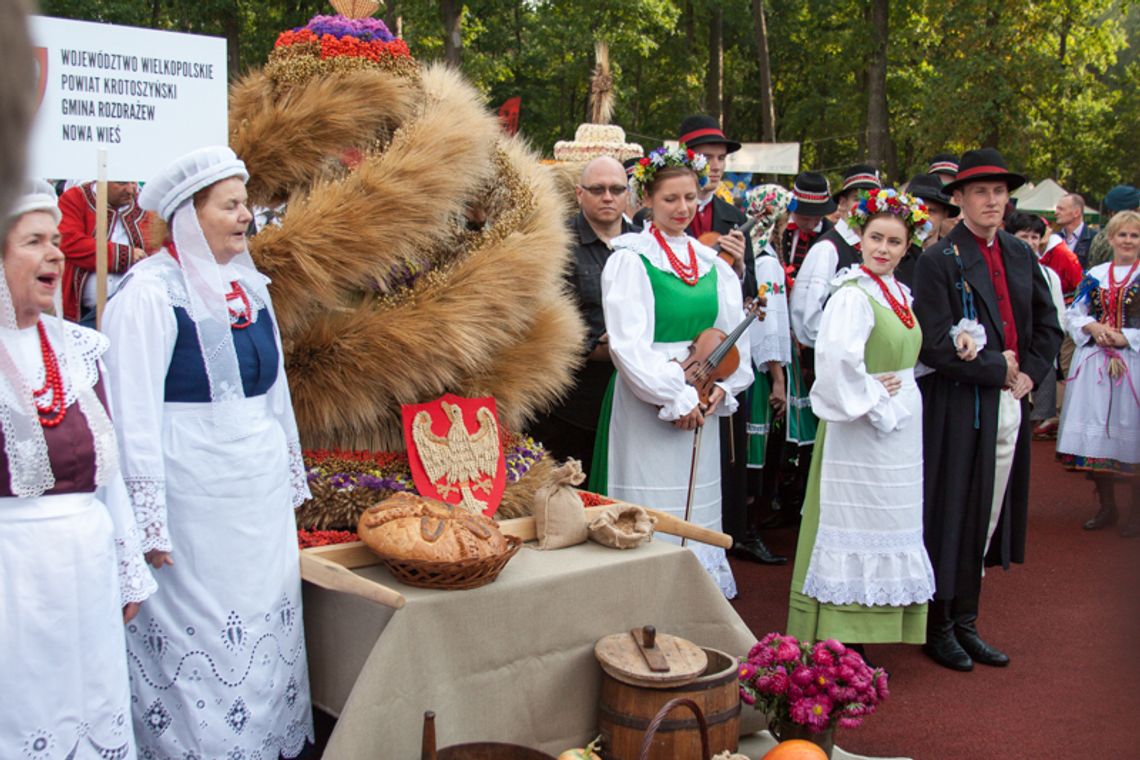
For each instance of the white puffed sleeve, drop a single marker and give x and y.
(843, 390)
(813, 284)
(730, 313)
(142, 328)
(1076, 317)
(770, 340)
(971, 327)
(627, 301)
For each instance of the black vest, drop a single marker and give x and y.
(849, 255)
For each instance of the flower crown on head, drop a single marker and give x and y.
(661, 158)
(911, 209)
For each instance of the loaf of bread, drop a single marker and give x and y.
(407, 526)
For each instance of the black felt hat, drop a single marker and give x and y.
(859, 177)
(630, 164)
(929, 188)
(981, 165)
(703, 130)
(811, 195)
(944, 163)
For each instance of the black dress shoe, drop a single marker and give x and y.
(754, 550)
(979, 650)
(1105, 518)
(947, 652)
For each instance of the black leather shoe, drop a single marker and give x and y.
(979, 650)
(947, 652)
(754, 550)
(1105, 518)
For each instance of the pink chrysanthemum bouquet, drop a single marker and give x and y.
(815, 685)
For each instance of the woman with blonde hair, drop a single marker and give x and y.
(1100, 421)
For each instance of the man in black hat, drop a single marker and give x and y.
(975, 413)
(944, 166)
(702, 134)
(856, 178)
(836, 249)
(941, 209)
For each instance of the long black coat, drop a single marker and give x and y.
(959, 458)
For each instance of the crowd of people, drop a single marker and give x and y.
(910, 343)
(913, 343)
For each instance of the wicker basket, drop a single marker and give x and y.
(465, 573)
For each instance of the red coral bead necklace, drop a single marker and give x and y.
(243, 317)
(687, 272)
(898, 305)
(53, 412)
(1115, 290)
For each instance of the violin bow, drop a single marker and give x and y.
(692, 477)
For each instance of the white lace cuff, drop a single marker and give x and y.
(680, 406)
(135, 581)
(728, 405)
(297, 475)
(971, 327)
(888, 415)
(148, 500)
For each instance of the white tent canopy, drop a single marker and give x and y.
(1042, 198)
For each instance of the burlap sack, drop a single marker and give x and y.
(559, 516)
(622, 527)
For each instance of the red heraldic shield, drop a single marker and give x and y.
(455, 451)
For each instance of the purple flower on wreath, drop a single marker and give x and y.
(341, 480)
(363, 29)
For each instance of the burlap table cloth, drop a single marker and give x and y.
(512, 661)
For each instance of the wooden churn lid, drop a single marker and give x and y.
(643, 657)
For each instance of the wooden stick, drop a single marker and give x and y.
(692, 479)
(100, 236)
(328, 574)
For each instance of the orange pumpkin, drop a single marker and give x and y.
(795, 749)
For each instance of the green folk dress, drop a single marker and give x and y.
(861, 573)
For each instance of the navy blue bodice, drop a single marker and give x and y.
(256, 352)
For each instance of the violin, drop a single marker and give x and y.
(712, 239)
(713, 355)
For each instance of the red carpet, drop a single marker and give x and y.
(1068, 618)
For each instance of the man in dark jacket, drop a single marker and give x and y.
(1070, 215)
(975, 413)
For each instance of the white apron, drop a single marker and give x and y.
(63, 670)
(225, 627)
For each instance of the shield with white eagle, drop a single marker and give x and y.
(455, 451)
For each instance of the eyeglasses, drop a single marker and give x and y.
(599, 190)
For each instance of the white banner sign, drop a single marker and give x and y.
(765, 158)
(761, 158)
(145, 96)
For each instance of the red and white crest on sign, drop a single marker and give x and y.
(455, 451)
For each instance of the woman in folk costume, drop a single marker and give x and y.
(212, 460)
(862, 574)
(71, 567)
(1100, 421)
(660, 289)
(771, 338)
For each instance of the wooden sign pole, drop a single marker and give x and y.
(100, 237)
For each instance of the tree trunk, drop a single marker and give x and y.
(450, 11)
(879, 148)
(767, 102)
(231, 28)
(714, 81)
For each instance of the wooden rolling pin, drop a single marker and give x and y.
(336, 577)
(524, 527)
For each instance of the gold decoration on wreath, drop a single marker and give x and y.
(356, 8)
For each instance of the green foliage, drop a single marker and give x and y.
(1052, 83)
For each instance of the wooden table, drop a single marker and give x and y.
(512, 661)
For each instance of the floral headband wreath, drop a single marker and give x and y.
(661, 158)
(911, 209)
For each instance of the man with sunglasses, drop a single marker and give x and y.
(569, 429)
